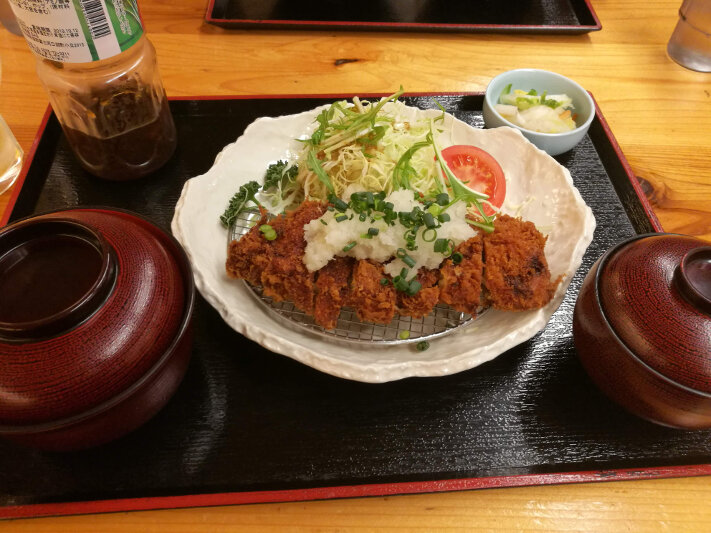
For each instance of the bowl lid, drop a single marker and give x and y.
(100, 298)
(655, 292)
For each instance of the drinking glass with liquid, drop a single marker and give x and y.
(690, 44)
(10, 157)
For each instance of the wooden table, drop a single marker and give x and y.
(659, 112)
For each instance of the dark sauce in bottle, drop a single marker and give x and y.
(114, 111)
(129, 155)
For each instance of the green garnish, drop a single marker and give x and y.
(403, 171)
(247, 193)
(422, 346)
(268, 232)
(349, 246)
(414, 287)
(442, 199)
(404, 334)
(316, 168)
(278, 175)
(402, 254)
(444, 246)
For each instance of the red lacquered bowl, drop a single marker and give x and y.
(642, 328)
(95, 326)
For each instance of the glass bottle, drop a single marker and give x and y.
(101, 75)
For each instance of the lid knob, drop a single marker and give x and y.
(693, 277)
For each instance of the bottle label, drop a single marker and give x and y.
(78, 31)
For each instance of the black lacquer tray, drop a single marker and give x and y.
(512, 16)
(248, 425)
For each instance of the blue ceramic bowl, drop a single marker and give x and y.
(541, 80)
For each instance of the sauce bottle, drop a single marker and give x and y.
(100, 72)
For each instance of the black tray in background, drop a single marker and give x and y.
(249, 425)
(512, 16)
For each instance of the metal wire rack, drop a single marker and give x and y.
(401, 330)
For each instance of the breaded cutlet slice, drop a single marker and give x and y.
(516, 274)
(331, 291)
(286, 277)
(248, 256)
(372, 300)
(420, 304)
(460, 283)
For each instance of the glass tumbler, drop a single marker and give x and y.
(10, 157)
(690, 44)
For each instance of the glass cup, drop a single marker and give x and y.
(10, 157)
(7, 18)
(690, 44)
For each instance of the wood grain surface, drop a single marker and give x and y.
(659, 112)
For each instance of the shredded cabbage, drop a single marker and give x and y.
(364, 159)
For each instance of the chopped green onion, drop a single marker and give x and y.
(268, 232)
(507, 89)
(429, 221)
(414, 287)
(348, 246)
(443, 217)
(341, 218)
(457, 258)
(444, 246)
(373, 231)
(323, 222)
(401, 284)
(442, 199)
(422, 346)
(384, 281)
(434, 210)
(404, 334)
(429, 235)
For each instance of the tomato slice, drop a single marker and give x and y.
(479, 171)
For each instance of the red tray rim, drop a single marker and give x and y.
(347, 491)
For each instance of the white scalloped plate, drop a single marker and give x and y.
(539, 189)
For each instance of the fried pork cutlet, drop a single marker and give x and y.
(286, 277)
(460, 283)
(277, 265)
(248, 256)
(421, 303)
(516, 275)
(372, 300)
(332, 285)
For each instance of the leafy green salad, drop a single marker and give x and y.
(362, 146)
